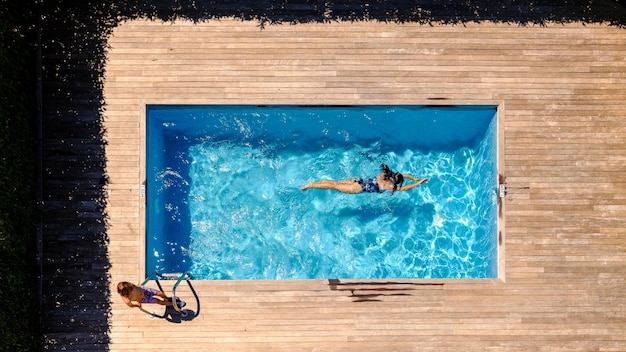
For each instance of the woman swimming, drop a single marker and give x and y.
(387, 180)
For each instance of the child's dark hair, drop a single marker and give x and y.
(125, 288)
(394, 177)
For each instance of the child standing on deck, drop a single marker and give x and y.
(134, 295)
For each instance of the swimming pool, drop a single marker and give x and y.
(224, 198)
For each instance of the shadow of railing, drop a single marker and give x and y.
(376, 291)
(74, 255)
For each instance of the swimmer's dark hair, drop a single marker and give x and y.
(394, 177)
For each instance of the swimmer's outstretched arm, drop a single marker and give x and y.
(418, 181)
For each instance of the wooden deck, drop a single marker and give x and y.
(561, 90)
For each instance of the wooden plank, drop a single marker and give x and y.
(561, 88)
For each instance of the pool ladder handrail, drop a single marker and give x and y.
(179, 277)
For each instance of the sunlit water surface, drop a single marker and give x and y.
(224, 198)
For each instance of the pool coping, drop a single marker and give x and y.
(500, 182)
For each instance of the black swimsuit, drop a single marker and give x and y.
(370, 185)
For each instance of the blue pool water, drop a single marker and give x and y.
(224, 198)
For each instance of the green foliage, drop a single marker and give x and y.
(18, 285)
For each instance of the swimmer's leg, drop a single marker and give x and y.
(345, 186)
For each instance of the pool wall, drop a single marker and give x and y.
(501, 184)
